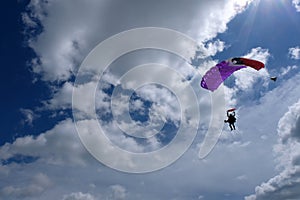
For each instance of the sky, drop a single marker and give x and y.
(101, 100)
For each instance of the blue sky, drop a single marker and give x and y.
(164, 136)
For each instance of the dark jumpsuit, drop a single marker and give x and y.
(231, 120)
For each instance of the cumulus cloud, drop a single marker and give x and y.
(64, 43)
(247, 77)
(113, 192)
(286, 184)
(215, 21)
(210, 48)
(29, 116)
(52, 147)
(285, 70)
(79, 196)
(39, 183)
(60, 44)
(118, 192)
(296, 3)
(294, 53)
(61, 98)
(199, 178)
(70, 30)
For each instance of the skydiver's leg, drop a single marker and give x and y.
(233, 126)
(230, 125)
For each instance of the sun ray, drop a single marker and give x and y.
(248, 25)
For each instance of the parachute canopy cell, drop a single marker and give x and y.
(214, 77)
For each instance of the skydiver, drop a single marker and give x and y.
(231, 120)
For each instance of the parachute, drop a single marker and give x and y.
(231, 110)
(214, 77)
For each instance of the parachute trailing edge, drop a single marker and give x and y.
(255, 64)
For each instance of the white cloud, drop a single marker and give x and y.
(21, 193)
(65, 42)
(286, 184)
(294, 53)
(85, 102)
(242, 178)
(164, 99)
(296, 3)
(210, 48)
(200, 197)
(79, 196)
(285, 70)
(29, 116)
(61, 99)
(259, 54)
(28, 20)
(236, 159)
(247, 77)
(113, 192)
(39, 183)
(118, 192)
(52, 147)
(60, 45)
(214, 21)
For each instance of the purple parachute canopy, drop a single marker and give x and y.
(217, 74)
